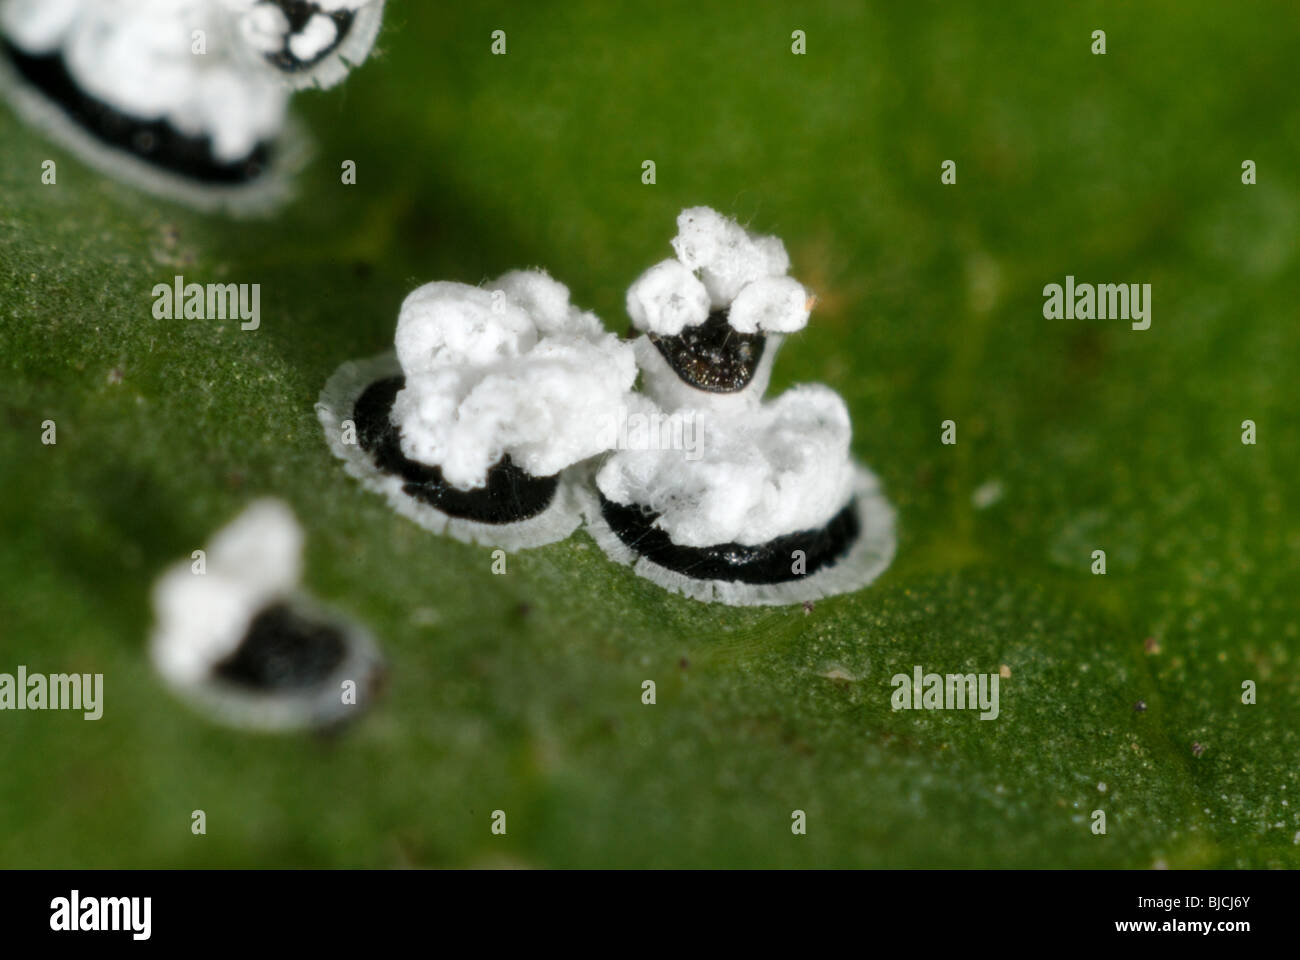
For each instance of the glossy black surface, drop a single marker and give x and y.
(712, 356)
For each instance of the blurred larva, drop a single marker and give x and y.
(187, 99)
(236, 639)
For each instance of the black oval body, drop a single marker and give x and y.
(510, 494)
(712, 356)
(284, 650)
(766, 563)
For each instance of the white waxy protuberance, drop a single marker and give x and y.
(512, 369)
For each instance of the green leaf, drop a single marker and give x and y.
(523, 692)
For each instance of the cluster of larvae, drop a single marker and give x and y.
(506, 416)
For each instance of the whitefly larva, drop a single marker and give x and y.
(477, 422)
(185, 98)
(238, 640)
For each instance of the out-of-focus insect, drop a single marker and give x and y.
(236, 638)
(185, 98)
